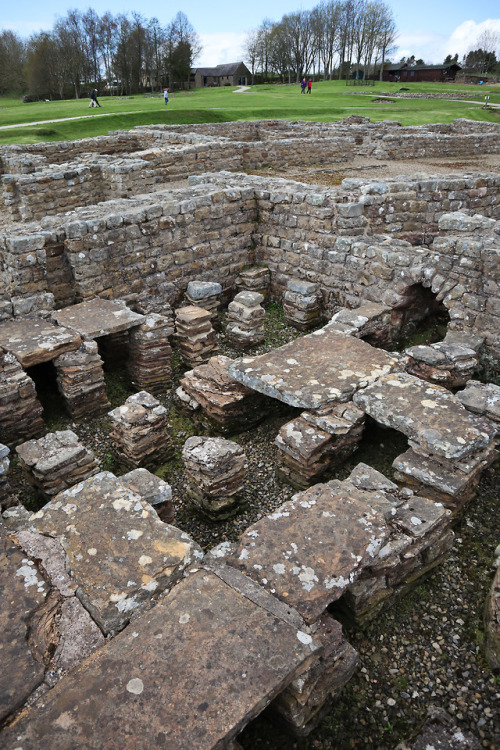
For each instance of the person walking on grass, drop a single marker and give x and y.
(303, 86)
(309, 86)
(165, 96)
(93, 99)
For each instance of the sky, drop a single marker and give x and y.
(427, 29)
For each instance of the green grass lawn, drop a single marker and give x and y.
(329, 101)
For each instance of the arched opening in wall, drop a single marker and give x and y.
(420, 319)
(44, 377)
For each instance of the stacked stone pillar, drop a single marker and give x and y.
(150, 355)
(56, 462)
(80, 379)
(205, 294)
(245, 320)
(215, 473)
(302, 304)
(195, 335)
(313, 443)
(20, 409)
(256, 279)
(139, 432)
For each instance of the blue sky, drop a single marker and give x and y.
(428, 29)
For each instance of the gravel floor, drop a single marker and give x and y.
(425, 651)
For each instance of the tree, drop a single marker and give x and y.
(12, 61)
(480, 61)
(449, 60)
(182, 47)
(251, 51)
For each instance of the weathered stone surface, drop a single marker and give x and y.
(428, 414)
(152, 489)
(226, 405)
(310, 371)
(441, 733)
(56, 461)
(4, 481)
(309, 550)
(445, 363)
(98, 317)
(187, 675)
(33, 340)
(492, 622)
(119, 554)
(139, 432)
(22, 591)
(215, 474)
(481, 398)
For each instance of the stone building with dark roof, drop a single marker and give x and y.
(229, 74)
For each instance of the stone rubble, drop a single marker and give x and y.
(256, 279)
(80, 380)
(139, 432)
(195, 335)
(55, 462)
(313, 443)
(150, 355)
(302, 304)
(215, 475)
(245, 320)
(441, 731)
(220, 403)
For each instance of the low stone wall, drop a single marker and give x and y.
(155, 244)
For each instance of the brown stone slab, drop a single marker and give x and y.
(98, 317)
(315, 369)
(308, 551)
(22, 591)
(427, 414)
(33, 340)
(188, 675)
(118, 551)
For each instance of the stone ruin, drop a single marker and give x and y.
(116, 626)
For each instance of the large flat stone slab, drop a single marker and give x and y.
(119, 553)
(315, 369)
(33, 340)
(308, 551)
(98, 317)
(428, 414)
(22, 591)
(188, 675)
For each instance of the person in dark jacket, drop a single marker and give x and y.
(93, 99)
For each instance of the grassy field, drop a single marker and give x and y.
(329, 101)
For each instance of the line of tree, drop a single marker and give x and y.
(85, 50)
(337, 37)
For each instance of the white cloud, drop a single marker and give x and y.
(433, 47)
(220, 47)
